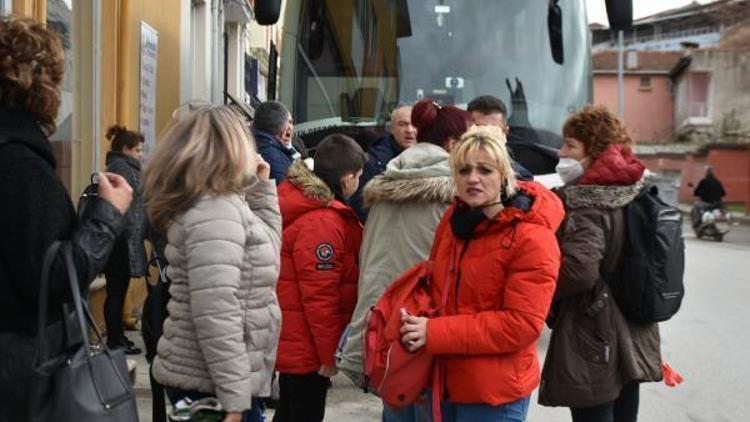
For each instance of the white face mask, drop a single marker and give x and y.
(569, 170)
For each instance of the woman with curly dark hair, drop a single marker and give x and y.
(128, 258)
(35, 208)
(596, 358)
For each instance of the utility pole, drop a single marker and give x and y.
(620, 76)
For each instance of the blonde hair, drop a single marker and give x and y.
(206, 151)
(490, 139)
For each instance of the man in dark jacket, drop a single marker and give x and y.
(710, 190)
(402, 134)
(487, 110)
(272, 128)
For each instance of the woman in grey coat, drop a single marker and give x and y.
(207, 188)
(128, 258)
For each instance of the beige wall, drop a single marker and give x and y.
(729, 88)
(165, 18)
(648, 112)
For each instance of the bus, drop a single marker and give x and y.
(345, 65)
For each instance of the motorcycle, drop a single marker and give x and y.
(710, 220)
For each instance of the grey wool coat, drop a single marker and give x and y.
(224, 318)
(406, 204)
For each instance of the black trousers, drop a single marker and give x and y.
(302, 398)
(117, 273)
(623, 409)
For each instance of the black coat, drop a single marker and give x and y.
(710, 190)
(35, 209)
(135, 219)
(380, 153)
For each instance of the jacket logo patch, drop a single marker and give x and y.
(324, 252)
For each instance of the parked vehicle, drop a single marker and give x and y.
(346, 65)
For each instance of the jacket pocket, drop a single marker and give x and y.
(593, 347)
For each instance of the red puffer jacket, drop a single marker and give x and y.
(502, 283)
(317, 286)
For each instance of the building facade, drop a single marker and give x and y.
(132, 63)
(647, 89)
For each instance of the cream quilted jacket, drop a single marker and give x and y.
(224, 318)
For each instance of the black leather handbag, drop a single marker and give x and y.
(85, 382)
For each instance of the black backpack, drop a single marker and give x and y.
(88, 196)
(648, 282)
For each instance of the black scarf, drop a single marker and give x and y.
(466, 219)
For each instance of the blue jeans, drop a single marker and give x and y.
(411, 413)
(509, 412)
(254, 414)
(459, 412)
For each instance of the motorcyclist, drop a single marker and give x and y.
(710, 192)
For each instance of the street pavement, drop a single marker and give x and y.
(706, 342)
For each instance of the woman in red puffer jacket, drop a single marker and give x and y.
(496, 252)
(317, 286)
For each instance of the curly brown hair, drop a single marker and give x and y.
(32, 64)
(597, 128)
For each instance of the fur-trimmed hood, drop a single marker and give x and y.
(597, 196)
(420, 174)
(303, 191)
(311, 185)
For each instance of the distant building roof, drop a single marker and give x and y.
(737, 36)
(648, 61)
(663, 31)
(722, 9)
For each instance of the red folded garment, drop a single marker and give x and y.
(671, 377)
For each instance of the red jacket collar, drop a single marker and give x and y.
(615, 166)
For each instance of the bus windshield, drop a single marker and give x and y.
(351, 63)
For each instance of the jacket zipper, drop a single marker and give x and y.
(458, 273)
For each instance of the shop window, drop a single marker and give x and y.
(59, 19)
(6, 6)
(252, 80)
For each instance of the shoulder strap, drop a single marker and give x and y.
(613, 252)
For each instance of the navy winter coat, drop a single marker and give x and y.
(275, 153)
(380, 153)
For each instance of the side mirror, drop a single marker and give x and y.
(267, 11)
(620, 14)
(554, 28)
